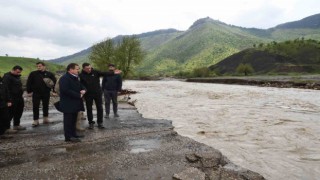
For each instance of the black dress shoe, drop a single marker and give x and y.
(73, 139)
(100, 126)
(91, 126)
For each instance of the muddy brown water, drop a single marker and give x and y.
(275, 132)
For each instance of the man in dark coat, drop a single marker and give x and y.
(71, 93)
(14, 84)
(111, 86)
(40, 91)
(5, 103)
(90, 78)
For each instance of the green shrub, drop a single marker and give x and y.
(245, 69)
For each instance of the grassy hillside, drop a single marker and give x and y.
(28, 65)
(297, 56)
(149, 41)
(206, 43)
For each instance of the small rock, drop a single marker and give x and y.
(191, 158)
(190, 174)
(232, 171)
(174, 133)
(210, 159)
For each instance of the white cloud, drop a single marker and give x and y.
(63, 27)
(31, 47)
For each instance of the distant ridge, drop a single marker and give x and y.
(205, 43)
(308, 22)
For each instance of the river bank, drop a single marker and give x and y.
(303, 82)
(272, 131)
(131, 147)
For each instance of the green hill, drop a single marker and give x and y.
(149, 41)
(205, 43)
(297, 56)
(28, 65)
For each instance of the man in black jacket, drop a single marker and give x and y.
(111, 86)
(40, 91)
(90, 78)
(71, 93)
(14, 84)
(5, 103)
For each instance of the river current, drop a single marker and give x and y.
(272, 131)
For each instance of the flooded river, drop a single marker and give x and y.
(275, 132)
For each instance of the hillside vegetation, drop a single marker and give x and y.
(205, 43)
(28, 65)
(297, 56)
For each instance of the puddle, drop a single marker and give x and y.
(59, 137)
(143, 145)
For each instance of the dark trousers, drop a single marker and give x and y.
(16, 110)
(108, 97)
(4, 120)
(36, 98)
(69, 125)
(89, 103)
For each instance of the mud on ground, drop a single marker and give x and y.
(131, 147)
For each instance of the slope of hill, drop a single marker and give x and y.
(312, 22)
(28, 65)
(206, 43)
(298, 56)
(149, 41)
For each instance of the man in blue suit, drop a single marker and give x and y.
(71, 93)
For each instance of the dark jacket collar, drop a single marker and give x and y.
(72, 76)
(17, 76)
(85, 73)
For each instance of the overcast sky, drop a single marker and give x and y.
(53, 28)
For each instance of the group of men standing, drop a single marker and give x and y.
(74, 87)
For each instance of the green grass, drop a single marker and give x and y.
(28, 65)
(202, 45)
(205, 43)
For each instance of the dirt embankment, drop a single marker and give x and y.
(306, 82)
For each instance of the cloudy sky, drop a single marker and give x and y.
(53, 28)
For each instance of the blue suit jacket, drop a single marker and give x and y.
(70, 99)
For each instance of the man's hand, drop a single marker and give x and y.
(54, 94)
(9, 104)
(82, 92)
(29, 94)
(117, 71)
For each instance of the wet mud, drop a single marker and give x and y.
(131, 147)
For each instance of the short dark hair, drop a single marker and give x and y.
(112, 65)
(85, 65)
(17, 67)
(71, 66)
(42, 63)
